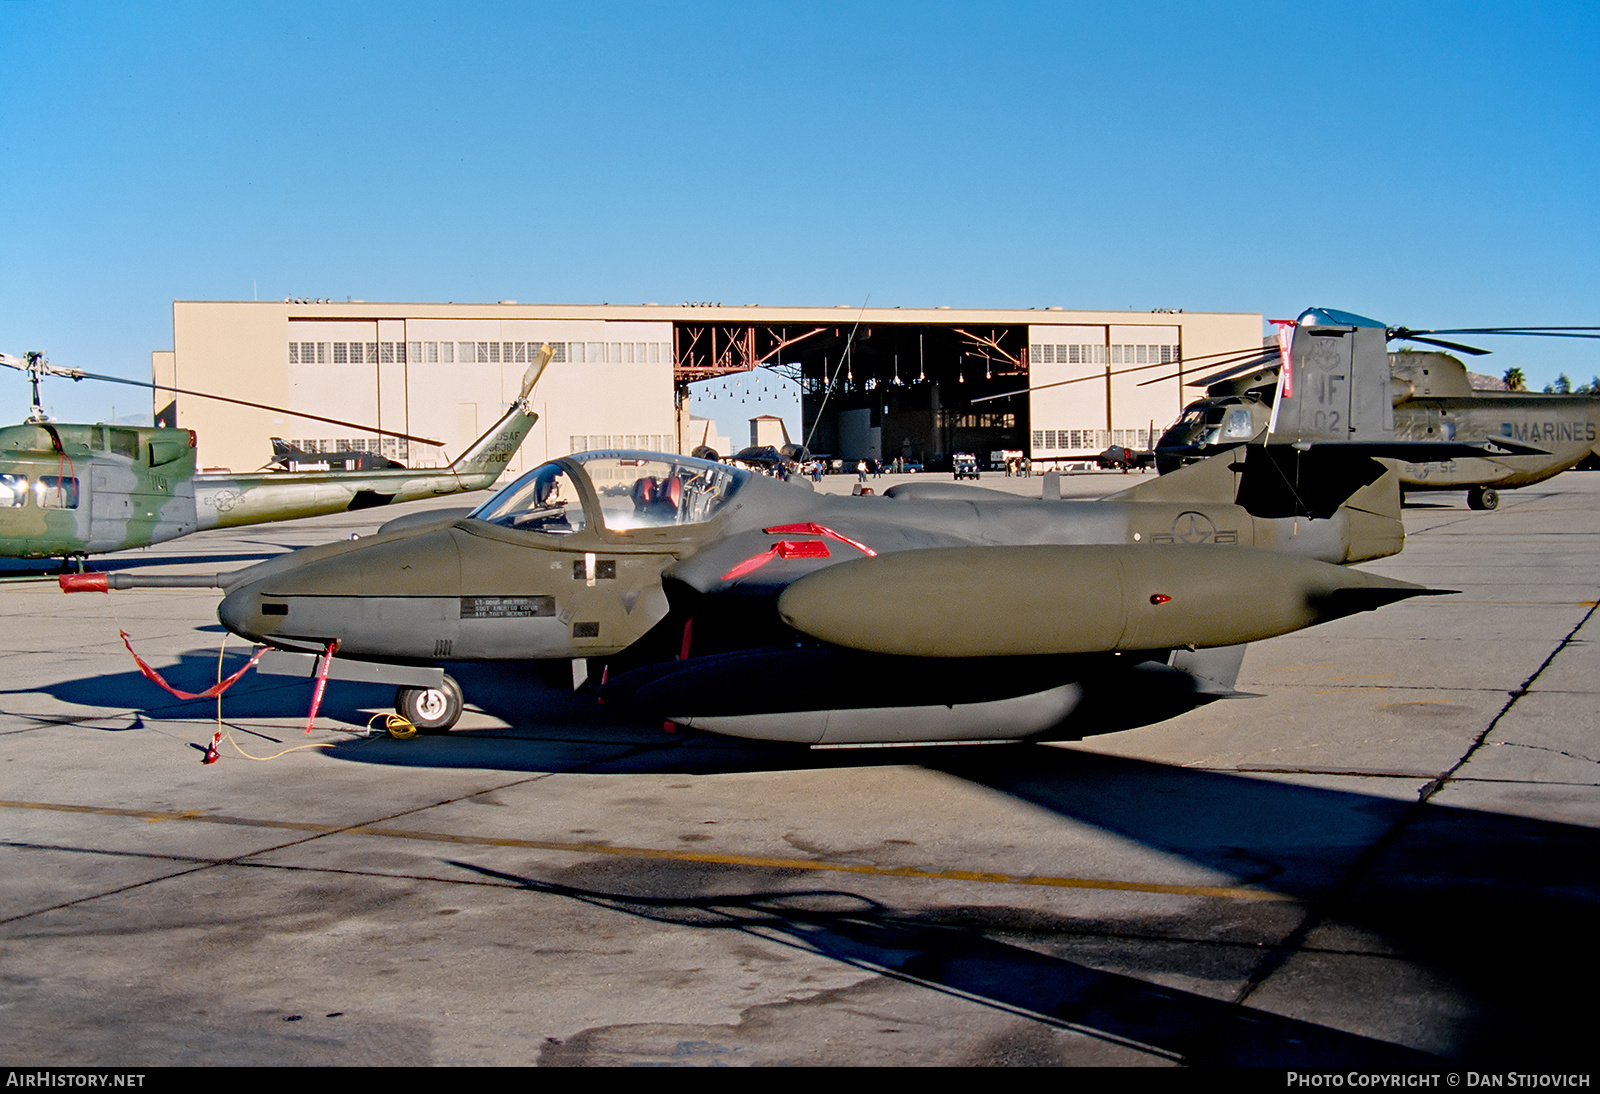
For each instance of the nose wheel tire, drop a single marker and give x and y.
(1483, 497)
(431, 710)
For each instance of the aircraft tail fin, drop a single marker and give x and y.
(1334, 381)
(1213, 479)
(489, 454)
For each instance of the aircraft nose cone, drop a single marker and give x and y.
(240, 611)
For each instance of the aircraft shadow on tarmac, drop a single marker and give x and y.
(932, 951)
(520, 695)
(1497, 909)
(1493, 913)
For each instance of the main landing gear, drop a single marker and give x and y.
(431, 710)
(1483, 497)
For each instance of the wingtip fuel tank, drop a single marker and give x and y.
(1014, 601)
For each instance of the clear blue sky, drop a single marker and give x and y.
(1428, 164)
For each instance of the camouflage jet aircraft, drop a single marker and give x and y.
(726, 600)
(1536, 436)
(73, 490)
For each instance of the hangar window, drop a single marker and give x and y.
(560, 354)
(597, 352)
(372, 352)
(356, 355)
(430, 351)
(294, 353)
(1038, 438)
(339, 357)
(521, 352)
(322, 353)
(580, 441)
(468, 355)
(416, 351)
(386, 352)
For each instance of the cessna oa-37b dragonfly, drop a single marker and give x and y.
(740, 604)
(1539, 436)
(74, 490)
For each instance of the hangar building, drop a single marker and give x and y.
(874, 382)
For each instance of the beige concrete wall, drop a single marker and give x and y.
(238, 351)
(163, 370)
(241, 348)
(1069, 402)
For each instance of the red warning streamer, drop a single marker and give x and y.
(811, 529)
(322, 682)
(784, 548)
(210, 693)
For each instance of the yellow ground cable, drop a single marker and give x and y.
(398, 726)
(229, 736)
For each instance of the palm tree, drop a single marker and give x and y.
(1515, 381)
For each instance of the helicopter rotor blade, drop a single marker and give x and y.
(1237, 370)
(1408, 335)
(45, 368)
(1537, 332)
(257, 406)
(1248, 357)
(1411, 336)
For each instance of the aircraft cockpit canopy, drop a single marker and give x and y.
(635, 490)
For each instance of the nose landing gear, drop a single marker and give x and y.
(1483, 497)
(431, 710)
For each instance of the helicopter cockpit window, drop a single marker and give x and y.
(543, 500)
(1239, 427)
(652, 491)
(13, 491)
(56, 492)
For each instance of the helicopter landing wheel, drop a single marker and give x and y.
(1483, 497)
(431, 710)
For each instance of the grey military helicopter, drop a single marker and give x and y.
(725, 600)
(1535, 436)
